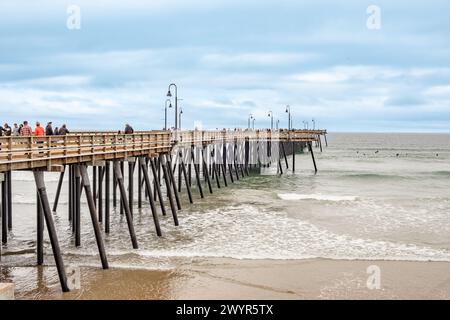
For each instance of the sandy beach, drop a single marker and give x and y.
(249, 279)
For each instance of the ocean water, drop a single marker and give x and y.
(376, 197)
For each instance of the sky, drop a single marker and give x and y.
(229, 59)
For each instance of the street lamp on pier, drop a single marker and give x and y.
(169, 94)
(270, 114)
(288, 111)
(165, 113)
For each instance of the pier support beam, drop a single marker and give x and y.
(143, 169)
(131, 164)
(43, 198)
(174, 185)
(168, 189)
(312, 156)
(205, 172)
(4, 212)
(9, 198)
(186, 180)
(293, 156)
(284, 154)
(197, 174)
(107, 197)
(58, 190)
(93, 212)
(123, 198)
(77, 206)
(157, 187)
(39, 231)
(101, 173)
(140, 170)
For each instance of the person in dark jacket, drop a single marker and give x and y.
(128, 129)
(63, 130)
(49, 129)
(6, 130)
(56, 132)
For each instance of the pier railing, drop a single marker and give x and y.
(19, 153)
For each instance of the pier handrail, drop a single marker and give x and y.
(19, 153)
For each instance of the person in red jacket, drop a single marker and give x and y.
(39, 131)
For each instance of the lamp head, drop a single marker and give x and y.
(169, 94)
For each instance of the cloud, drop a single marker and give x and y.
(260, 59)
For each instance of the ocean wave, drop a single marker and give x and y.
(428, 255)
(375, 176)
(441, 173)
(319, 197)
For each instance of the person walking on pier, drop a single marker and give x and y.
(49, 129)
(26, 130)
(16, 130)
(63, 130)
(7, 130)
(39, 131)
(128, 129)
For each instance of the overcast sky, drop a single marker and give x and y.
(229, 58)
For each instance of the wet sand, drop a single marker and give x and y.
(244, 279)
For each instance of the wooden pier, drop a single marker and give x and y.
(167, 163)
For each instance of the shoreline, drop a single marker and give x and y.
(225, 278)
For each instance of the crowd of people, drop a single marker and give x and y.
(25, 130)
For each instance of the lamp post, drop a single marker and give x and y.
(253, 123)
(278, 124)
(181, 112)
(165, 113)
(314, 124)
(288, 111)
(270, 114)
(169, 94)
(250, 117)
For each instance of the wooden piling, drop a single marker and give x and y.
(9, 198)
(94, 182)
(77, 206)
(197, 173)
(124, 201)
(40, 184)
(114, 189)
(140, 186)
(4, 208)
(186, 180)
(205, 172)
(143, 169)
(58, 189)
(293, 156)
(174, 186)
(284, 154)
(93, 213)
(107, 197)
(168, 189)
(131, 185)
(312, 156)
(157, 187)
(39, 231)
(101, 173)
